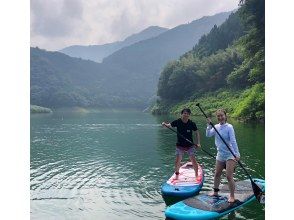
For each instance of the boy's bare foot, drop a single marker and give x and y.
(177, 175)
(198, 178)
(231, 199)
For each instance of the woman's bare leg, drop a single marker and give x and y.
(230, 166)
(219, 166)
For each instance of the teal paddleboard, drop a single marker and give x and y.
(204, 206)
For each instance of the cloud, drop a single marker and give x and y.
(52, 19)
(59, 23)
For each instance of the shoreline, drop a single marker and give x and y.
(35, 109)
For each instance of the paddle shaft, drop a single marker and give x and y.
(182, 136)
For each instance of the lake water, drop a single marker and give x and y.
(110, 164)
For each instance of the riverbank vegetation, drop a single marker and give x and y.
(224, 70)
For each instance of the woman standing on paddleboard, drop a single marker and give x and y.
(185, 127)
(224, 158)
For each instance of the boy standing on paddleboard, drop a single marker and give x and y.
(185, 127)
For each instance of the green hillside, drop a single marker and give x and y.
(58, 80)
(224, 70)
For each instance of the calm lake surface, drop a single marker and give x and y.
(111, 164)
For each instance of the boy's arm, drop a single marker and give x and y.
(172, 124)
(166, 124)
(197, 136)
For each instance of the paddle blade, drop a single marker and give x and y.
(262, 198)
(259, 194)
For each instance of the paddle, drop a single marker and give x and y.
(189, 141)
(259, 195)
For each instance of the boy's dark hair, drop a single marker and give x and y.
(186, 110)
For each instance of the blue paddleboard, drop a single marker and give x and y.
(186, 184)
(204, 206)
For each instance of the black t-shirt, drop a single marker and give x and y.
(184, 129)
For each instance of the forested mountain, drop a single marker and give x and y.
(98, 52)
(149, 56)
(58, 80)
(224, 70)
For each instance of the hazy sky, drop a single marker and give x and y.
(56, 24)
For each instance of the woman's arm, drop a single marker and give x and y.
(210, 131)
(233, 141)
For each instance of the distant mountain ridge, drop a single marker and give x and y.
(147, 58)
(150, 32)
(98, 52)
(152, 54)
(126, 78)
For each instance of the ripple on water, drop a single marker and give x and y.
(85, 170)
(61, 184)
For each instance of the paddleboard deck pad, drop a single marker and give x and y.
(204, 206)
(186, 184)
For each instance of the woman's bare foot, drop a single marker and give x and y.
(213, 194)
(231, 199)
